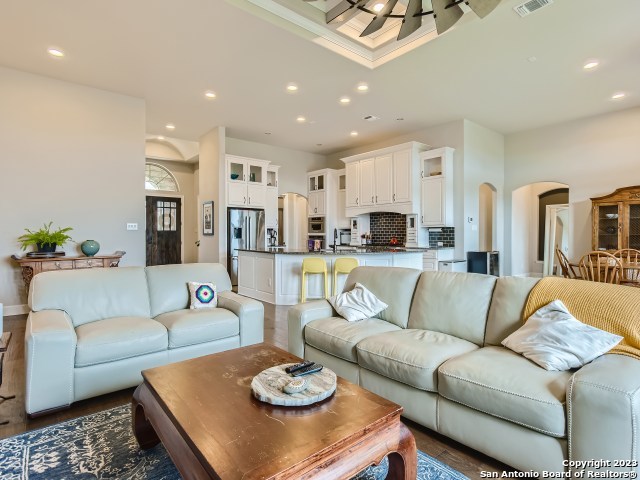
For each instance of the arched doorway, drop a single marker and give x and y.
(487, 217)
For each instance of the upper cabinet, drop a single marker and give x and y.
(342, 219)
(616, 220)
(436, 172)
(246, 182)
(386, 180)
(271, 204)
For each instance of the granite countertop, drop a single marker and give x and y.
(341, 251)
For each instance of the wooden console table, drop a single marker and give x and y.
(34, 266)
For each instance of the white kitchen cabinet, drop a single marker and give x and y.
(246, 272)
(385, 180)
(430, 258)
(353, 184)
(271, 208)
(317, 204)
(437, 188)
(383, 172)
(246, 182)
(367, 182)
(402, 191)
(342, 219)
(317, 182)
(256, 196)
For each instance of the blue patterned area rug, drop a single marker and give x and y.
(101, 446)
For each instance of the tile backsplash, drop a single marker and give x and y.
(446, 235)
(385, 225)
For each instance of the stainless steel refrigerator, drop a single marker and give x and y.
(245, 229)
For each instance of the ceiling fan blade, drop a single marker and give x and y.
(445, 17)
(411, 22)
(378, 21)
(344, 10)
(482, 8)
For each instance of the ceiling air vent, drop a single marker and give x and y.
(531, 6)
(371, 118)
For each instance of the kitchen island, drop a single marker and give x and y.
(274, 275)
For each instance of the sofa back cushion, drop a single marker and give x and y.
(94, 294)
(453, 303)
(168, 289)
(393, 285)
(507, 306)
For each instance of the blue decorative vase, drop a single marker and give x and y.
(90, 247)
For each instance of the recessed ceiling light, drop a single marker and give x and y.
(209, 94)
(354, 134)
(301, 119)
(345, 100)
(590, 65)
(292, 88)
(378, 6)
(618, 96)
(170, 126)
(160, 137)
(54, 52)
(362, 87)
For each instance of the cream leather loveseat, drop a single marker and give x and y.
(436, 351)
(93, 331)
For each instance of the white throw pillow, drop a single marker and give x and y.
(555, 340)
(357, 304)
(203, 295)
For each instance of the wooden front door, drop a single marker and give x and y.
(164, 237)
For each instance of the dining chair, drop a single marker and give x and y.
(630, 261)
(600, 267)
(565, 266)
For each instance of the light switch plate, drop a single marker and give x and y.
(132, 226)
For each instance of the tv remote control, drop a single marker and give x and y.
(316, 367)
(298, 366)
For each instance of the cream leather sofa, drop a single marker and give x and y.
(93, 331)
(436, 351)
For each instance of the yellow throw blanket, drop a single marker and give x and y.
(613, 308)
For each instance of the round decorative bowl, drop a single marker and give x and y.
(234, 176)
(89, 247)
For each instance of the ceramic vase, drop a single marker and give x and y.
(90, 247)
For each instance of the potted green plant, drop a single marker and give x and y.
(45, 239)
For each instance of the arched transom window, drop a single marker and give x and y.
(156, 177)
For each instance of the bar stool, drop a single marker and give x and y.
(313, 266)
(342, 265)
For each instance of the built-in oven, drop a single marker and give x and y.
(316, 225)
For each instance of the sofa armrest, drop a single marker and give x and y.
(50, 350)
(603, 414)
(301, 314)
(251, 315)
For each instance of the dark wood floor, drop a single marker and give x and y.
(463, 459)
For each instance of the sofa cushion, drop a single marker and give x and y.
(92, 293)
(168, 284)
(453, 303)
(189, 327)
(118, 338)
(339, 337)
(499, 382)
(507, 307)
(393, 285)
(410, 356)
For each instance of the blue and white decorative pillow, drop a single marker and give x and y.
(203, 295)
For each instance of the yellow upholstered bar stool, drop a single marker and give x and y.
(313, 265)
(342, 265)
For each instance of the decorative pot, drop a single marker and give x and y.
(46, 247)
(90, 247)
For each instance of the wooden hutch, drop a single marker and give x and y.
(616, 220)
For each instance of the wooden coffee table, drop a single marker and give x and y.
(204, 413)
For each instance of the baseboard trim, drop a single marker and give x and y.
(10, 310)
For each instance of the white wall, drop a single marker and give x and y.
(483, 163)
(295, 164)
(593, 156)
(72, 155)
(184, 175)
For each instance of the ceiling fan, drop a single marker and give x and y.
(445, 13)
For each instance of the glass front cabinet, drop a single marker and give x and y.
(616, 220)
